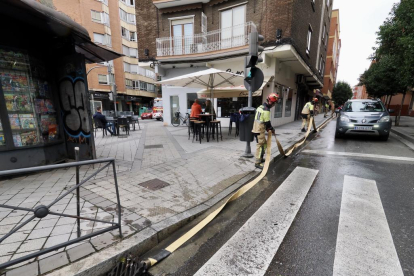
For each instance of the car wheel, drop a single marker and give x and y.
(384, 137)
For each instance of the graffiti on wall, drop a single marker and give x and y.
(74, 103)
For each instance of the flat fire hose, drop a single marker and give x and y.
(164, 253)
(146, 264)
(300, 143)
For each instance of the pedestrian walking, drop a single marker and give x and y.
(262, 125)
(307, 112)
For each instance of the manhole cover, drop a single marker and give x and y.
(154, 184)
(153, 147)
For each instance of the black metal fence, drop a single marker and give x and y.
(42, 211)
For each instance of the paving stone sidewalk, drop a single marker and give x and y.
(405, 129)
(160, 174)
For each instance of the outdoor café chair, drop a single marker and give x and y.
(123, 123)
(98, 124)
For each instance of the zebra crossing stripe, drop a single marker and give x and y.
(251, 250)
(364, 243)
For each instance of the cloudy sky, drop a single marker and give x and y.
(359, 22)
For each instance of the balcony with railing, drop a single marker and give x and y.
(208, 43)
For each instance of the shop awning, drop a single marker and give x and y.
(232, 91)
(58, 24)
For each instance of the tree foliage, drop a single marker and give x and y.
(382, 78)
(341, 92)
(395, 41)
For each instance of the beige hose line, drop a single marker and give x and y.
(184, 238)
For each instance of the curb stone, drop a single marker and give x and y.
(403, 135)
(103, 261)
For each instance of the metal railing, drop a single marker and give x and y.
(42, 211)
(221, 39)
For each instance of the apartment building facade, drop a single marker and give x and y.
(191, 35)
(112, 24)
(332, 58)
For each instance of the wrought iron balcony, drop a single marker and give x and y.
(214, 41)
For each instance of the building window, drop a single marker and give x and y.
(129, 2)
(132, 36)
(128, 83)
(96, 16)
(104, 1)
(309, 39)
(122, 15)
(134, 69)
(232, 25)
(143, 85)
(131, 18)
(182, 31)
(103, 39)
(125, 33)
(103, 79)
(105, 18)
(127, 67)
(133, 52)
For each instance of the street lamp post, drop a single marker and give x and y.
(111, 82)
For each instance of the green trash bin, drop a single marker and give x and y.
(142, 110)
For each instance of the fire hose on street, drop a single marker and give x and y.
(143, 266)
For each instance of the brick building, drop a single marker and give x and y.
(112, 24)
(187, 36)
(332, 58)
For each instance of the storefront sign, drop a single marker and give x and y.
(133, 99)
(103, 96)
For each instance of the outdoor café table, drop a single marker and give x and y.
(207, 118)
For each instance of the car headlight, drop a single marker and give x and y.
(344, 119)
(384, 119)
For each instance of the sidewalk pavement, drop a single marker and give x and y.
(164, 181)
(405, 129)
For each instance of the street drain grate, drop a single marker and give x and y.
(154, 184)
(153, 147)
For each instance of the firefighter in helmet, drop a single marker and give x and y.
(262, 125)
(307, 112)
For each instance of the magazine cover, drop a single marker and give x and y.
(53, 132)
(6, 81)
(11, 102)
(1, 127)
(40, 106)
(49, 106)
(2, 141)
(28, 138)
(25, 103)
(27, 121)
(14, 121)
(17, 140)
(45, 121)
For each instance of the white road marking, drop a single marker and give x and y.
(252, 248)
(364, 245)
(356, 154)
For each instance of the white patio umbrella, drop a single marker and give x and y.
(207, 79)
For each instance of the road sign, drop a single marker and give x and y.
(254, 80)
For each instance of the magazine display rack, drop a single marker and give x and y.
(31, 113)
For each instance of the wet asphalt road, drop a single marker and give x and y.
(309, 246)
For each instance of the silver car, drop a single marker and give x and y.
(366, 117)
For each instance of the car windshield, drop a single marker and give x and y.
(364, 107)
